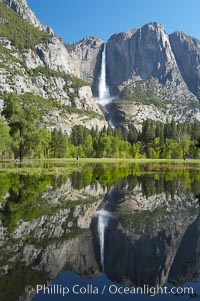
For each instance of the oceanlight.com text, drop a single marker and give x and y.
(89, 289)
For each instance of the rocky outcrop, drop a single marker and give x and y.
(187, 53)
(129, 114)
(140, 100)
(18, 78)
(21, 7)
(82, 59)
(151, 77)
(149, 74)
(86, 60)
(141, 54)
(54, 55)
(47, 70)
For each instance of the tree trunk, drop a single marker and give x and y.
(21, 151)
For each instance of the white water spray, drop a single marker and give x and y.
(104, 93)
(103, 220)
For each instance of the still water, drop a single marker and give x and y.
(100, 232)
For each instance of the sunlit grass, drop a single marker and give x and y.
(68, 165)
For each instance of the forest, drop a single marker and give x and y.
(23, 135)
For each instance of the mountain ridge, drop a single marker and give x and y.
(145, 57)
(21, 7)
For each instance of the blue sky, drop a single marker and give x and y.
(75, 19)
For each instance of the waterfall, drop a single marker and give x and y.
(103, 217)
(104, 93)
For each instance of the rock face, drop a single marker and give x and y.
(146, 64)
(52, 71)
(54, 55)
(82, 59)
(46, 71)
(187, 53)
(15, 78)
(125, 113)
(141, 54)
(140, 100)
(149, 73)
(86, 60)
(21, 7)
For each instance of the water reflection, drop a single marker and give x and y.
(103, 219)
(138, 224)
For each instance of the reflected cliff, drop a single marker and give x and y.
(141, 245)
(138, 224)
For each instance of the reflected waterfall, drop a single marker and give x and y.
(103, 217)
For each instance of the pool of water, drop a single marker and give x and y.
(104, 232)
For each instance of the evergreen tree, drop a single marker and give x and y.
(23, 119)
(185, 144)
(6, 142)
(58, 144)
(88, 146)
(159, 132)
(118, 133)
(195, 131)
(132, 136)
(172, 127)
(78, 135)
(148, 131)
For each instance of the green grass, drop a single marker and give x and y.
(37, 171)
(34, 166)
(39, 167)
(105, 160)
(132, 160)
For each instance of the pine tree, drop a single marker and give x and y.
(132, 136)
(148, 131)
(23, 119)
(172, 129)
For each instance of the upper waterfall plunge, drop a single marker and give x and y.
(104, 93)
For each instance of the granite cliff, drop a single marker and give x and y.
(187, 53)
(150, 74)
(36, 61)
(150, 77)
(21, 7)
